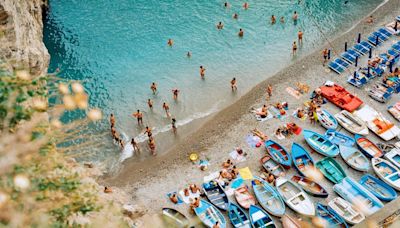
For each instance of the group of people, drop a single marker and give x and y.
(287, 130)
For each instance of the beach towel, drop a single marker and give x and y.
(203, 163)
(280, 136)
(252, 140)
(246, 174)
(237, 157)
(296, 94)
(276, 113)
(261, 119)
(295, 116)
(190, 198)
(236, 183)
(179, 198)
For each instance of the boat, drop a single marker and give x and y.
(395, 110)
(339, 138)
(377, 123)
(295, 197)
(359, 196)
(174, 218)
(331, 169)
(278, 153)
(302, 160)
(244, 197)
(394, 157)
(272, 167)
(331, 218)
(216, 195)
(380, 92)
(377, 187)
(209, 215)
(341, 97)
(387, 172)
(310, 186)
(238, 216)
(367, 147)
(320, 143)
(352, 123)
(326, 119)
(259, 218)
(346, 210)
(354, 158)
(268, 197)
(290, 222)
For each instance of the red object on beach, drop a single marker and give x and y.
(341, 97)
(258, 144)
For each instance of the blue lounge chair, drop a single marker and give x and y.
(349, 58)
(366, 44)
(357, 81)
(336, 67)
(396, 47)
(393, 53)
(361, 49)
(381, 35)
(398, 18)
(342, 62)
(372, 40)
(353, 53)
(378, 71)
(385, 31)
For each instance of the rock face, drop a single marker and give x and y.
(21, 35)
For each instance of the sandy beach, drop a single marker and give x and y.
(148, 181)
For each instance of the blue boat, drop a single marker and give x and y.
(278, 153)
(268, 197)
(340, 138)
(238, 216)
(327, 120)
(367, 147)
(259, 218)
(320, 143)
(209, 215)
(379, 188)
(302, 160)
(330, 216)
(331, 169)
(216, 195)
(354, 158)
(359, 196)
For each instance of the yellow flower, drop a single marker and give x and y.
(69, 102)
(94, 115)
(56, 123)
(64, 90)
(77, 87)
(21, 181)
(23, 74)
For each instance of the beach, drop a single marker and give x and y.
(149, 181)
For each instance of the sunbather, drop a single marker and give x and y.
(173, 198)
(259, 134)
(263, 113)
(186, 192)
(194, 188)
(227, 164)
(300, 113)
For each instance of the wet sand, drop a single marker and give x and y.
(148, 182)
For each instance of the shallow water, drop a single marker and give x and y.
(117, 48)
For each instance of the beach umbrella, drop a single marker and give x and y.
(369, 68)
(329, 54)
(395, 26)
(377, 40)
(391, 66)
(370, 53)
(356, 60)
(359, 38)
(355, 74)
(345, 46)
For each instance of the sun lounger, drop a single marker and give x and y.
(380, 35)
(342, 62)
(353, 53)
(372, 40)
(361, 49)
(396, 47)
(366, 44)
(333, 65)
(359, 81)
(391, 28)
(385, 31)
(393, 53)
(349, 58)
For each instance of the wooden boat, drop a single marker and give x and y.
(238, 216)
(387, 172)
(354, 158)
(216, 195)
(379, 188)
(346, 210)
(295, 197)
(259, 218)
(394, 157)
(244, 197)
(352, 123)
(174, 218)
(268, 197)
(341, 97)
(278, 153)
(339, 138)
(209, 215)
(332, 219)
(272, 166)
(310, 186)
(327, 120)
(359, 196)
(395, 110)
(302, 160)
(367, 147)
(320, 143)
(377, 123)
(290, 222)
(331, 169)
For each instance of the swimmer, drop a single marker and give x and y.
(150, 103)
(294, 48)
(220, 25)
(148, 131)
(282, 20)
(233, 84)
(235, 16)
(170, 42)
(189, 54)
(245, 5)
(139, 116)
(135, 145)
(112, 120)
(295, 16)
(166, 108)
(300, 37)
(173, 124)
(273, 19)
(241, 33)
(202, 72)
(153, 87)
(226, 4)
(175, 93)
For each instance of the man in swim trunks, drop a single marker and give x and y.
(263, 113)
(139, 116)
(173, 198)
(241, 33)
(220, 25)
(269, 90)
(294, 48)
(150, 103)
(325, 55)
(175, 93)
(112, 120)
(295, 16)
(148, 131)
(202, 72)
(173, 123)
(153, 87)
(170, 42)
(135, 145)
(273, 19)
(233, 84)
(300, 37)
(166, 108)
(152, 145)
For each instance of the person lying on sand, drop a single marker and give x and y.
(194, 188)
(263, 113)
(370, 20)
(107, 189)
(259, 134)
(173, 198)
(300, 113)
(195, 204)
(224, 174)
(186, 192)
(227, 164)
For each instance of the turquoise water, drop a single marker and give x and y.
(117, 48)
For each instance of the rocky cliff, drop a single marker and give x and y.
(21, 35)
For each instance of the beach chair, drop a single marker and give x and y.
(360, 49)
(378, 71)
(357, 82)
(393, 53)
(396, 47)
(349, 58)
(382, 36)
(342, 62)
(385, 31)
(353, 53)
(372, 40)
(336, 67)
(366, 44)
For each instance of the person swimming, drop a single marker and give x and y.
(170, 42)
(282, 20)
(220, 25)
(273, 19)
(226, 4)
(153, 87)
(166, 108)
(245, 5)
(139, 116)
(189, 54)
(295, 16)
(175, 93)
(202, 72)
(235, 16)
(294, 48)
(112, 120)
(241, 33)
(300, 37)
(233, 84)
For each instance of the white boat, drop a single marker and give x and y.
(346, 210)
(352, 123)
(377, 123)
(394, 157)
(295, 197)
(387, 172)
(354, 158)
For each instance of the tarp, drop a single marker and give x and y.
(246, 174)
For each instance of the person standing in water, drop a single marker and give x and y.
(241, 33)
(226, 5)
(173, 124)
(148, 131)
(189, 54)
(153, 87)
(300, 37)
(269, 90)
(295, 16)
(220, 25)
(112, 120)
(233, 84)
(139, 116)
(282, 20)
(135, 145)
(166, 108)
(175, 93)
(235, 16)
(170, 42)
(294, 48)
(245, 5)
(150, 104)
(273, 19)
(202, 72)
(152, 146)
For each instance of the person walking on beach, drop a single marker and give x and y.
(153, 87)
(202, 72)
(241, 33)
(173, 124)
(175, 93)
(273, 19)
(148, 131)
(139, 116)
(220, 26)
(269, 91)
(150, 104)
(135, 145)
(300, 37)
(233, 84)
(152, 146)
(166, 108)
(325, 55)
(170, 42)
(294, 48)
